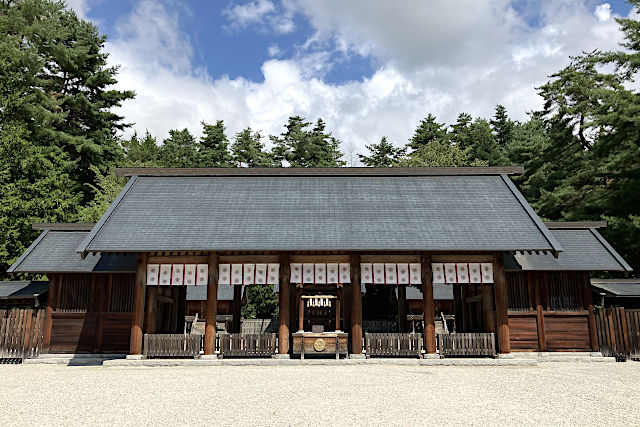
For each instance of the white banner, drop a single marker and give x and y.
(224, 274)
(190, 274)
(391, 276)
(273, 274)
(153, 271)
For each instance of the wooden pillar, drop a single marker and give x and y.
(487, 309)
(175, 296)
(591, 318)
(100, 286)
(300, 314)
(135, 344)
(346, 307)
(500, 290)
(237, 309)
(356, 306)
(533, 279)
(150, 315)
(212, 306)
(54, 283)
(428, 306)
(284, 296)
(402, 308)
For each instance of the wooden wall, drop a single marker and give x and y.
(91, 313)
(547, 311)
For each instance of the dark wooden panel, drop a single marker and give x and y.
(116, 332)
(523, 332)
(73, 332)
(567, 332)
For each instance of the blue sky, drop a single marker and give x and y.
(368, 67)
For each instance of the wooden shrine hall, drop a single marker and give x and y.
(319, 237)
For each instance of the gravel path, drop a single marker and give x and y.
(549, 394)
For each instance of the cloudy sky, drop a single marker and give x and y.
(368, 67)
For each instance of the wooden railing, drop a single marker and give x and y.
(171, 345)
(20, 334)
(467, 344)
(618, 332)
(393, 345)
(247, 345)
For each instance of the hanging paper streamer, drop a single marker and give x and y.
(273, 274)
(308, 273)
(403, 274)
(333, 274)
(487, 272)
(475, 275)
(345, 273)
(463, 272)
(224, 274)
(415, 273)
(236, 274)
(153, 274)
(202, 275)
(321, 274)
(165, 274)
(296, 273)
(438, 272)
(378, 273)
(261, 274)
(248, 275)
(391, 275)
(366, 273)
(177, 275)
(190, 274)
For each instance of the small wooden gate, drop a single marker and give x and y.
(393, 345)
(247, 345)
(618, 332)
(171, 345)
(467, 344)
(20, 334)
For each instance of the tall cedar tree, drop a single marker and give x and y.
(180, 150)
(214, 146)
(303, 148)
(429, 130)
(248, 150)
(383, 154)
(54, 78)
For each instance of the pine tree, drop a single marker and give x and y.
(383, 154)
(140, 152)
(502, 127)
(429, 130)
(248, 150)
(214, 146)
(180, 150)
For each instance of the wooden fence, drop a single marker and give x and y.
(467, 344)
(618, 332)
(171, 345)
(20, 334)
(393, 344)
(247, 345)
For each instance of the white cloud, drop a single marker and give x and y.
(437, 58)
(80, 7)
(274, 50)
(263, 14)
(603, 12)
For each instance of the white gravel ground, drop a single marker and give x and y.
(548, 394)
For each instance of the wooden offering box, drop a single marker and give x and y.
(320, 343)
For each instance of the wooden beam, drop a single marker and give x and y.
(237, 309)
(318, 258)
(358, 171)
(487, 308)
(212, 306)
(284, 296)
(462, 258)
(428, 306)
(99, 308)
(591, 318)
(178, 259)
(402, 309)
(500, 290)
(356, 306)
(300, 314)
(150, 315)
(135, 343)
(247, 259)
(54, 283)
(389, 258)
(535, 280)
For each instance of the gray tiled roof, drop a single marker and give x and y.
(22, 289)
(319, 213)
(55, 252)
(618, 287)
(583, 250)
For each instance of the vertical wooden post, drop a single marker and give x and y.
(502, 318)
(135, 344)
(457, 308)
(150, 315)
(99, 308)
(237, 309)
(591, 318)
(356, 306)
(402, 309)
(487, 308)
(284, 296)
(54, 283)
(346, 307)
(300, 315)
(175, 295)
(535, 282)
(428, 306)
(212, 306)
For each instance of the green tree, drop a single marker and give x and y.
(303, 148)
(262, 303)
(476, 137)
(383, 154)
(214, 146)
(36, 187)
(55, 80)
(180, 150)
(248, 150)
(428, 131)
(502, 127)
(440, 154)
(139, 152)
